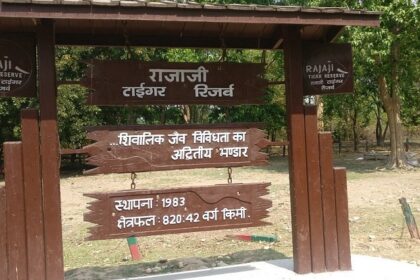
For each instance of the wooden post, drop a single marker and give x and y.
(328, 201)
(343, 234)
(297, 151)
(314, 190)
(50, 156)
(15, 209)
(33, 195)
(409, 218)
(3, 232)
(134, 248)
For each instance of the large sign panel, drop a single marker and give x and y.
(142, 83)
(152, 148)
(328, 69)
(151, 212)
(17, 66)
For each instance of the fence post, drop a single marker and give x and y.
(328, 201)
(3, 232)
(33, 195)
(15, 218)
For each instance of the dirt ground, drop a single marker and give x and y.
(376, 221)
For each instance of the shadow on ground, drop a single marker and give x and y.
(352, 162)
(177, 265)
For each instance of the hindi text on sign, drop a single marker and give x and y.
(136, 149)
(144, 83)
(17, 66)
(150, 212)
(328, 69)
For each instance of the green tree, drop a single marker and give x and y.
(392, 52)
(10, 118)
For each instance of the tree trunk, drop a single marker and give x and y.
(162, 115)
(392, 105)
(384, 133)
(320, 113)
(397, 156)
(186, 113)
(355, 132)
(380, 136)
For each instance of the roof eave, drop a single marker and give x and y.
(176, 14)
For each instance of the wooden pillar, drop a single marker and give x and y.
(343, 234)
(314, 190)
(328, 201)
(33, 195)
(15, 209)
(297, 151)
(50, 156)
(318, 191)
(3, 232)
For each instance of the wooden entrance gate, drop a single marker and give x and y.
(30, 208)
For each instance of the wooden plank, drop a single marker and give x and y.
(33, 195)
(15, 218)
(328, 201)
(186, 15)
(176, 210)
(3, 232)
(50, 151)
(343, 231)
(124, 82)
(113, 38)
(297, 151)
(314, 190)
(131, 149)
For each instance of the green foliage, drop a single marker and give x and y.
(372, 57)
(371, 49)
(74, 116)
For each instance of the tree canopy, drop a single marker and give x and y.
(386, 74)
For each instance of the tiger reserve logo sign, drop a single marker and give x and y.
(328, 69)
(17, 67)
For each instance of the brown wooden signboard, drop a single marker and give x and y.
(151, 212)
(152, 148)
(142, 83)
(327, 68)
(17, 66)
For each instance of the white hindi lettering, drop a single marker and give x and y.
(207, 137)
(198, 75)
(231, 214)
(202, 136)
(202, 90)
(130, 204)
(137, 221)
(233, 152)
(142, 91)
(178, 75)
(239, 136)
(146, 138)
(177, 138)
(188, 153)
(210, 214)
(221, 137)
